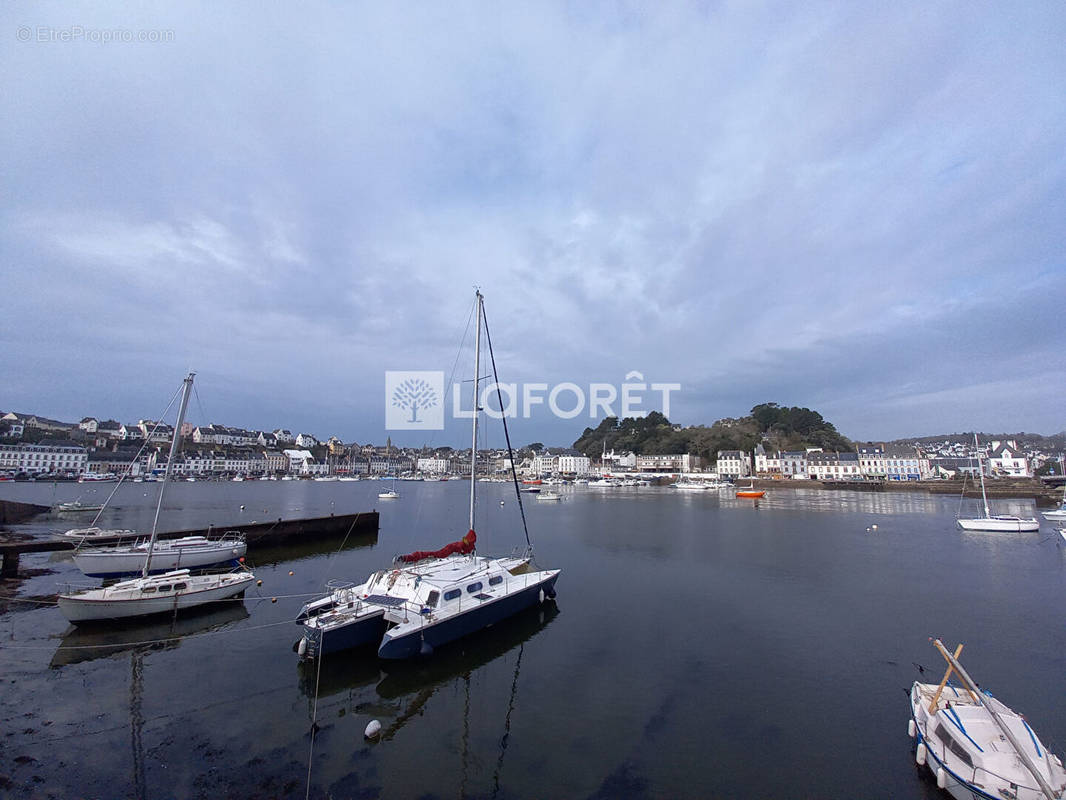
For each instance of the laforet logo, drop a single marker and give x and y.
(414, 400)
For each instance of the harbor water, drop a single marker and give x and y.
(700, 646)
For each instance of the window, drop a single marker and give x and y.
(495, 580)
(451, 594)
(147, 589)
(179, 586)
(164, 587)
(474, 587)
(434, 596)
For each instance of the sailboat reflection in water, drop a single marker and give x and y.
(429, 598)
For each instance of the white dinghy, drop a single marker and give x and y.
(976, 746)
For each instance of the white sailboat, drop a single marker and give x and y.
(1059, 514)
(427, 599)
(976, 746)
(1001, 523)
(187, 552)
(153, 594)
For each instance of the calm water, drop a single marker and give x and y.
(701, 646)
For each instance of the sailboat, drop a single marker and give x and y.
(999, 523)
(1059, 514)
(153, 594)
(430, 598)
(975, 745)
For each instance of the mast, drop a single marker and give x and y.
(174, 443)
(477, 368)
(981, 474)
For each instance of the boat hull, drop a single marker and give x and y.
(106, 604)
(1058, 515)
(116, 563)
(753, 495)
(466, 623)
(356, 632)
(1000, 525)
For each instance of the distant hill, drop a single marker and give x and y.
(775, 427)
(1035, 441)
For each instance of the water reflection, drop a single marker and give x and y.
(87, 643)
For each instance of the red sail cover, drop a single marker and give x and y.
(463, 546)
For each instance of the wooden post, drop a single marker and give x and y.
(947, 675)
(10, 568)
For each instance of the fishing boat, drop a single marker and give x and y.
(975, 745)
(1000, 523)
(427, 599)
(153, 594)
(750, 491)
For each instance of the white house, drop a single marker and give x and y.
(299, 461)
(1008, 461)
(433, 466)
(571, 465)
(36, 458)
(733, 464)
(305, 440)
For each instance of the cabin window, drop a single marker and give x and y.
(451, 594)
(955, 747)
(431, 601)
(164, 587)
(474, 587)
(147, 589)
(179, 586)
(495, 580)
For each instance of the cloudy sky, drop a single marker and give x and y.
(858, 207)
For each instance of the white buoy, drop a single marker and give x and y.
(542, 595)
(919, 755)
(242, 507)
(372, 729)
(941, 779)
(501, 502)
(302, 649)
(874, 527)
(911, 730)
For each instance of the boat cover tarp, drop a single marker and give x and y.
(464, 546)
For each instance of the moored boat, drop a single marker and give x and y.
(153, 594)
(186, 552)
(429, 598)
(975, 745)
(1001, 523)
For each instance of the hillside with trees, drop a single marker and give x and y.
(776, 427)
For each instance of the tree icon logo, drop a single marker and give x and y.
(414, 400)
(414, 394)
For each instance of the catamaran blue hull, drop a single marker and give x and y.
(344, 637)
(464, 624)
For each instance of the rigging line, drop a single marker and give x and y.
(145, 642)
(506, 433)
(314, 726)
(136, 458)
(337, 552)
(507, 721)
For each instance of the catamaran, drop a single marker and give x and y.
(430, 598)
(975, 745)
(153, 594)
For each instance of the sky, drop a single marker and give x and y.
(856, 207)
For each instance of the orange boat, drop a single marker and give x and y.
(751, 492)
